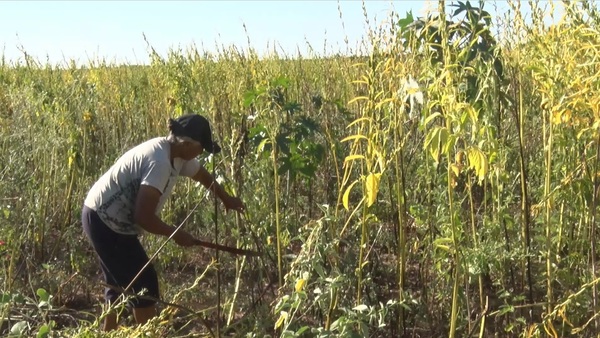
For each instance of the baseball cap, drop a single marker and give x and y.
(197, 128)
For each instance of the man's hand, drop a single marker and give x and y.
(233, 203)
(230, 202)
(183, 238)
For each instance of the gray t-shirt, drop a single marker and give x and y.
(113, 196)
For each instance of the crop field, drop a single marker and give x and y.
(444, 183)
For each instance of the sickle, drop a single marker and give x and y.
(225, 248)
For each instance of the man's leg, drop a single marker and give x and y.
(110, 322)
(144, 314)
(121, 258)
(100, 238)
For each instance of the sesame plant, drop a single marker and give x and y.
(440, 180)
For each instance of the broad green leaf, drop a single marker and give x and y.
(249, 98)
(347, 195)
(448, 144)
(44, 331)
(372, 188)
(43, 294)
(436, 140)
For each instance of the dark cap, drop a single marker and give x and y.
(197, 128)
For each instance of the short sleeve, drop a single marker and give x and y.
(190, 168)
(157, 175)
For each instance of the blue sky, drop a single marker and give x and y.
(113, 30)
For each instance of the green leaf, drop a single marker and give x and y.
(436, 141)
(504, 309)
(249, 98)
(19, 328)
(261, 145)
(281, 81)
(43, 294)
(443, 243)
(5, 298)
(407, 20)
(44, 331)
(302, 329)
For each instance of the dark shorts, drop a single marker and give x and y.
(121, 258)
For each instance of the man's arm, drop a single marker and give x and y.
(210, 183)
(145, 216)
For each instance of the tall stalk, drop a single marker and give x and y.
(548, 138)
(593, 231)
(361, 254)
(455, 244)
(525, 218)
(402, 217)
(475, 236)
(277, 221)
(447, 79)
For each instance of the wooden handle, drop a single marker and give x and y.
(225, 248)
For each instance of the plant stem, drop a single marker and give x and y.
(593, 231)
(525, 219)
(548, 138)
(277, 222)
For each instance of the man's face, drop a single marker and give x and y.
(191, 150)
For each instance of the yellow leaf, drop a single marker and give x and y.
(300, 284)
(358, 98)
(354, 157)
(354, 137)
(431, 117)
(455, 169)
(262, 144)
(282, 317)
(478, 162)
(556, 117)
(372, 188)
(358, 120)
(347, 195)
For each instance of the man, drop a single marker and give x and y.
(127, 200)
